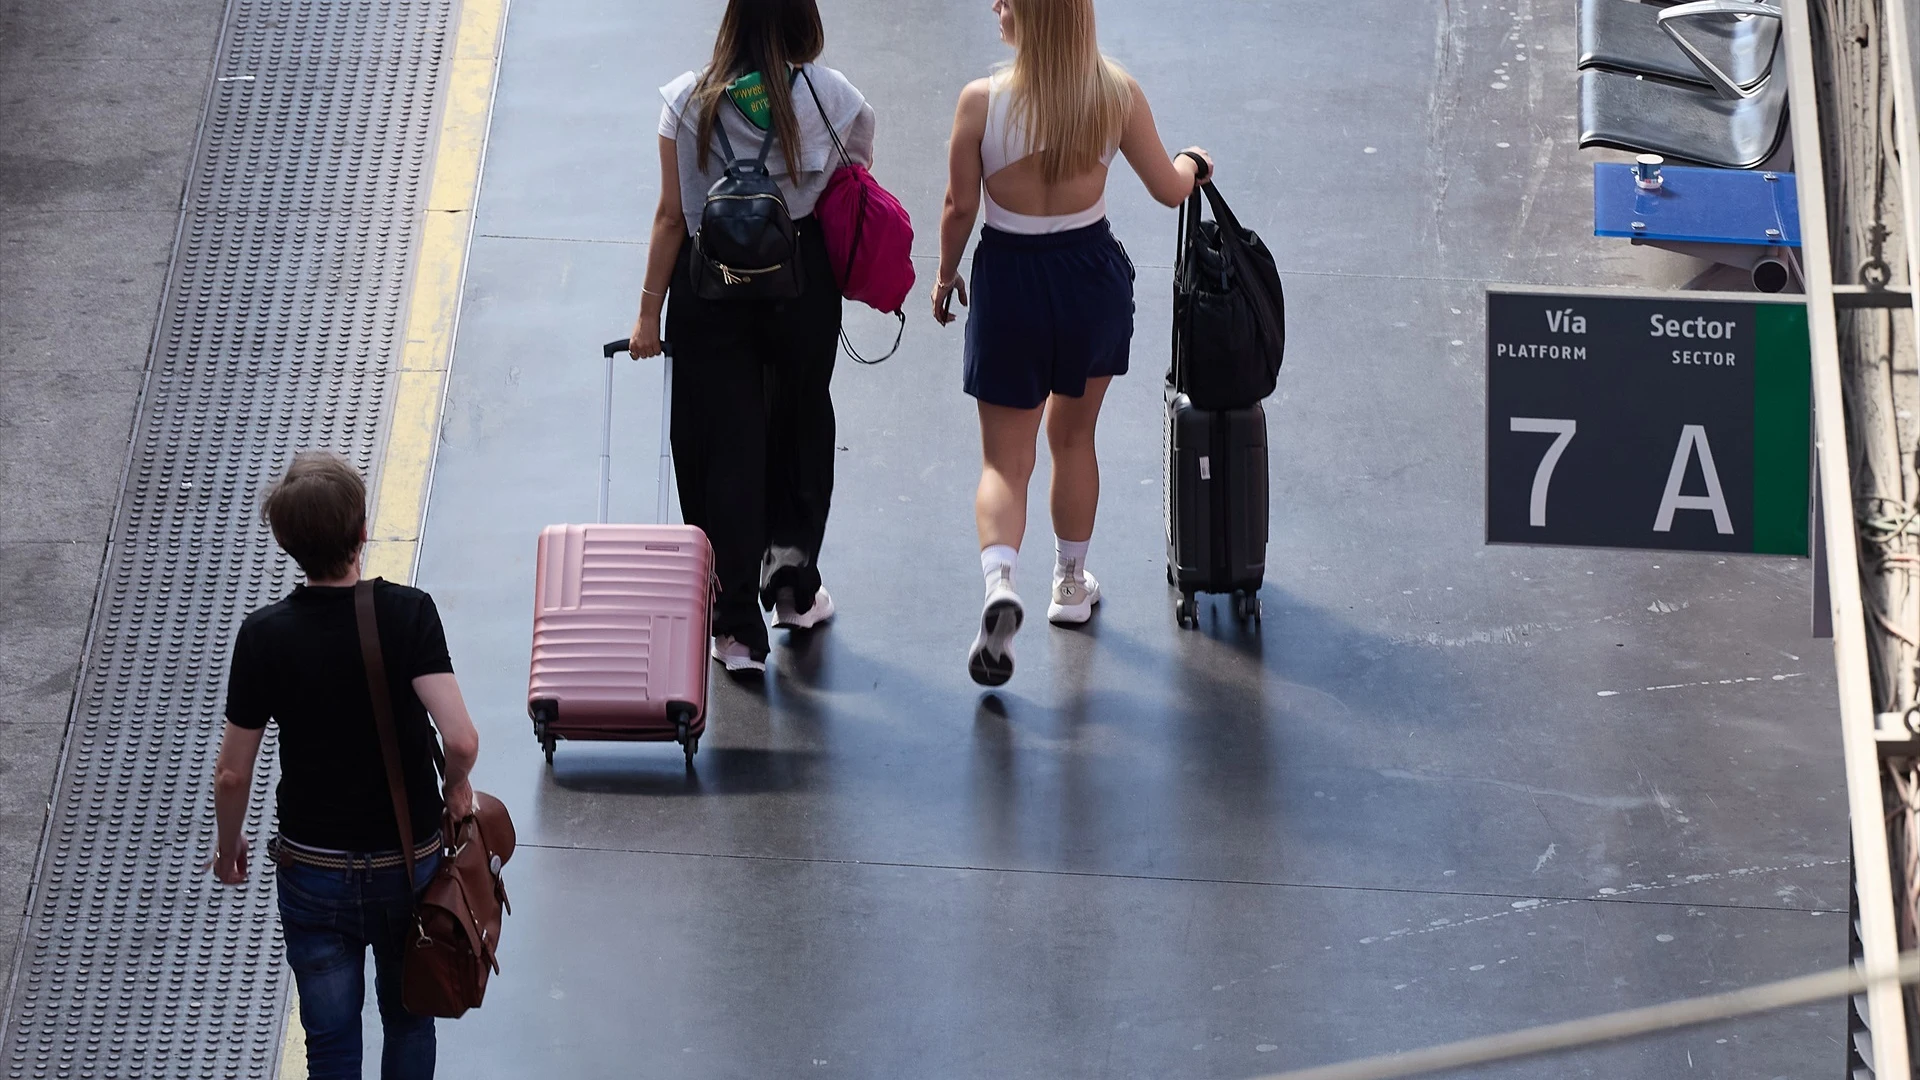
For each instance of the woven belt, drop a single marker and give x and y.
(287, 852)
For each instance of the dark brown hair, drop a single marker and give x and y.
(767, 36)
(318, 511)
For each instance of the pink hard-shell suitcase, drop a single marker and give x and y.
(621, 619)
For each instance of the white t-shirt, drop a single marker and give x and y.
(851, 115)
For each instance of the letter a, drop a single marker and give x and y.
(1693, 437)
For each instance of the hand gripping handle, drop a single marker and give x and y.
(666, 429)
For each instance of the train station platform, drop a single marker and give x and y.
(1445, 789)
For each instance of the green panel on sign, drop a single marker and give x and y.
(1782, 423)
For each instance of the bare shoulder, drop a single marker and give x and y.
(972, 109)
(1139, 122)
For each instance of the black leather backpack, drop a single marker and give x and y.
(745, 247)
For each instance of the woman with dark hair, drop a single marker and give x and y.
(753, 429)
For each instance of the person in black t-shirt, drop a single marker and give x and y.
(342, 880)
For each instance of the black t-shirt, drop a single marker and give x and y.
(298, 662)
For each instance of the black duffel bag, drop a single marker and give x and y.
(1229, 313)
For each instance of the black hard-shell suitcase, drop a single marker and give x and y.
(1215, 485)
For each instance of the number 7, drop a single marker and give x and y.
(1543, 476)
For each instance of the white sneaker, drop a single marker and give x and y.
(990, 661)
(786, 618)
(734, 655)
(1073, 600)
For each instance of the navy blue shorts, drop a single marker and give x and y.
(1046, 313)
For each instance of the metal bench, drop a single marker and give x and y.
(1729, 126)
(1641, 39)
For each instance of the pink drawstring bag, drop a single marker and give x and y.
(869, 238)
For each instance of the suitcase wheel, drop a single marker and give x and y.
(1186, 611)
(683, 730)
(1247, 607)
(543, 713)
(686, 738)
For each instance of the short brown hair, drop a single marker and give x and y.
(317, 511)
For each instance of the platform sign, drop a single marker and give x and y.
(1629, 418)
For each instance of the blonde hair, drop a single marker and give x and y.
(1071, 99)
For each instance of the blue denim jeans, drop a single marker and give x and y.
(330, 918)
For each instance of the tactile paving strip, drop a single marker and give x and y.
(279, 333)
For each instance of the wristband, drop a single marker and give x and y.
(1201, 171)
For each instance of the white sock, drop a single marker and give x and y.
(997, 560)
(1069, 558)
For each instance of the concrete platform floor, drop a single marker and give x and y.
(100, 102)
(1447, 789)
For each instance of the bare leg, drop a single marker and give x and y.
(1007, 439)
(1075, 492)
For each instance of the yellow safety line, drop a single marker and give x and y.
(293, 1049)
(406, 466)
(406, 469)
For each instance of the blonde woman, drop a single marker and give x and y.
(1051, 316)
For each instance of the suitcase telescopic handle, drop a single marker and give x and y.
(608, 351)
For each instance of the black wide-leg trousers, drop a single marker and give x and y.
(753, 433)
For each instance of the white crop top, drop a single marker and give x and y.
(1004, 142)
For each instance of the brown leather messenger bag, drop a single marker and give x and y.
(457, 918)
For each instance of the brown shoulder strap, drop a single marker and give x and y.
(376, 666)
